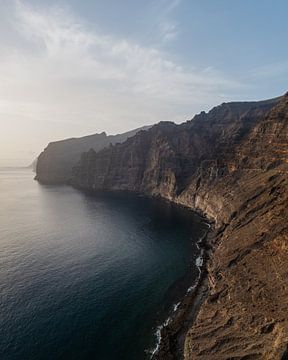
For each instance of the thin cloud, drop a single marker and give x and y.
(271, 70)
(54, 69)
(168, 28)
(67, 49)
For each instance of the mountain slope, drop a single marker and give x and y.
(245, 314)
(162, 160)
(54, 164)
(231, 164)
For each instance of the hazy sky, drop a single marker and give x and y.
(75, 67)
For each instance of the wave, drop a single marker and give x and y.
(199, 262)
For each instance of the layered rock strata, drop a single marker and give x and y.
(232, 165)
(54, 165)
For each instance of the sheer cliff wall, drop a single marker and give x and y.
(232, 165)
(54, 165)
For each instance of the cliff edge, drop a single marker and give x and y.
(54, 165)
(232, 165)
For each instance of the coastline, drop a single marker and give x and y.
(173, 342)
(243, 187)
(171, 333)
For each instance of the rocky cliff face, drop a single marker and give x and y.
(231, 164)
(55, 163)
(245, 313)
(168, 159)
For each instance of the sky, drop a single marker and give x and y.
(70, 68)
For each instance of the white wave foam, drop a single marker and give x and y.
(199, 263)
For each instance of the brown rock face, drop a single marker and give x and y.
(55, 163)
(232, 164)
(245, 313)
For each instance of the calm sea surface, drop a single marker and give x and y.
(85, 277)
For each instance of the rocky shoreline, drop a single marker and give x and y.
(231, 165)
(173, 333)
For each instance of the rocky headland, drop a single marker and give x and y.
(54, 165)
(231, 164)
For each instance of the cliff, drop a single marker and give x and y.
(55, 163)
(231, 164)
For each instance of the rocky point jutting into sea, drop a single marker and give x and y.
(231, 164)
(54, 165)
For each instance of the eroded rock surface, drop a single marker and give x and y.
(54, 165)
(245, 313)
(232, 164)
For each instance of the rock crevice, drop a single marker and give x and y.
(232, 165)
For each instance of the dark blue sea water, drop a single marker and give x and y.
(85, 277)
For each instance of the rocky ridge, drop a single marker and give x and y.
(54, 165)
(231, 164)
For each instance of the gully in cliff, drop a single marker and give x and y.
(231, 164)
(171, 334)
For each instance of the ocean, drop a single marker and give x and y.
(88, 277)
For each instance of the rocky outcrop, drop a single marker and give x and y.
(232, 165)
(164, 160)
(245, 314)
(55, 163)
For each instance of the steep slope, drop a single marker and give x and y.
(163, 160)
(54, 164)
(245, 313)
(232, 165)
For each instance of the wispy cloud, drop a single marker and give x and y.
(66, 49)
(168, 30)
(53, 67)
(272, 70)
(168, 27)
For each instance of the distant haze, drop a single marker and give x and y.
(72, 68)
